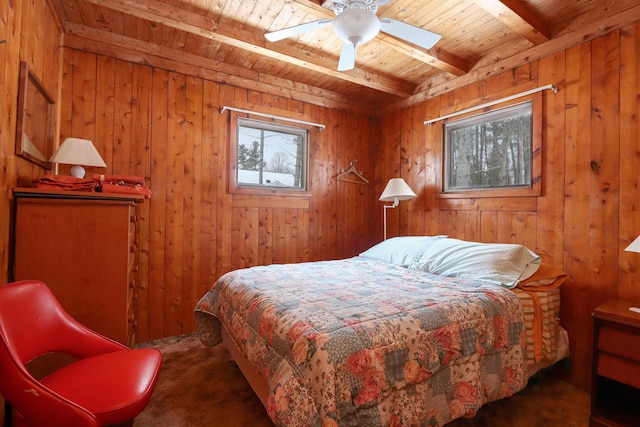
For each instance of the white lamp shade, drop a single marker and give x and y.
(78, 152)
(397, 189)
(634, 246)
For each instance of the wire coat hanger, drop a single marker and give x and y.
(345, 175)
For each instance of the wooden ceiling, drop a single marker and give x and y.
(224, 39)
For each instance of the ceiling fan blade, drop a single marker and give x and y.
(347, 57)
(275, 36)
(408, 32)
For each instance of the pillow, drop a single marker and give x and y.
(400, 250)
(501, 263)
(547, 277)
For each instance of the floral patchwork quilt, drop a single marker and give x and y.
(358, 342)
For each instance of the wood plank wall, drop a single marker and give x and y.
(167, 127)
(32, 34)
(589, 208)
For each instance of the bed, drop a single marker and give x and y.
(401, 335)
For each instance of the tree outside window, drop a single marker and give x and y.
(271, 155)
(490, 151)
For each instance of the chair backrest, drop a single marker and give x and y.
(31, 319)
(33, 323)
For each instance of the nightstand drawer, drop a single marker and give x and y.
(618, 368)
(615, 387)
(620, 342)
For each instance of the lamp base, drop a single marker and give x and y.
(77, 171)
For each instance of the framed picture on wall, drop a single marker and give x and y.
(35, 125)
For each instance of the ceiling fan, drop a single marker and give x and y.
(356, 23)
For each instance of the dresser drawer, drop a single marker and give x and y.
(619, 341)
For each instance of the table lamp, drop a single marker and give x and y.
(78, 153)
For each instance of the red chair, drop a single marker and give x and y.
(107, 384)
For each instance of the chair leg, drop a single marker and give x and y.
(8, 414)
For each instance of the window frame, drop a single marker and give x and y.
(236, 188)
(536, 155)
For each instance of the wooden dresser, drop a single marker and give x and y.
(615, 388)
(83, 246)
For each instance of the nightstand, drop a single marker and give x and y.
(615, 388)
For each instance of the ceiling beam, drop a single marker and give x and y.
(101, 42)
(517, 16)
(193, 23)
(595, 23)
(434, 57)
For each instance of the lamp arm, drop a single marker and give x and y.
(395, 203)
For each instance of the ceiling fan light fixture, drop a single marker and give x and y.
(356, 23)
(356, 26)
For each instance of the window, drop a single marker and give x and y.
(270, 156)
(490, 150)
(495, 153)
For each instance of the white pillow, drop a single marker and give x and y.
(402, 251)
(501, 263)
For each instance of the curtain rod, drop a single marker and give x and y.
(271, 116)
(498, 101)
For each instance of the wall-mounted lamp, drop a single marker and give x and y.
(634, 247)
(397, 189)
(77, 152)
